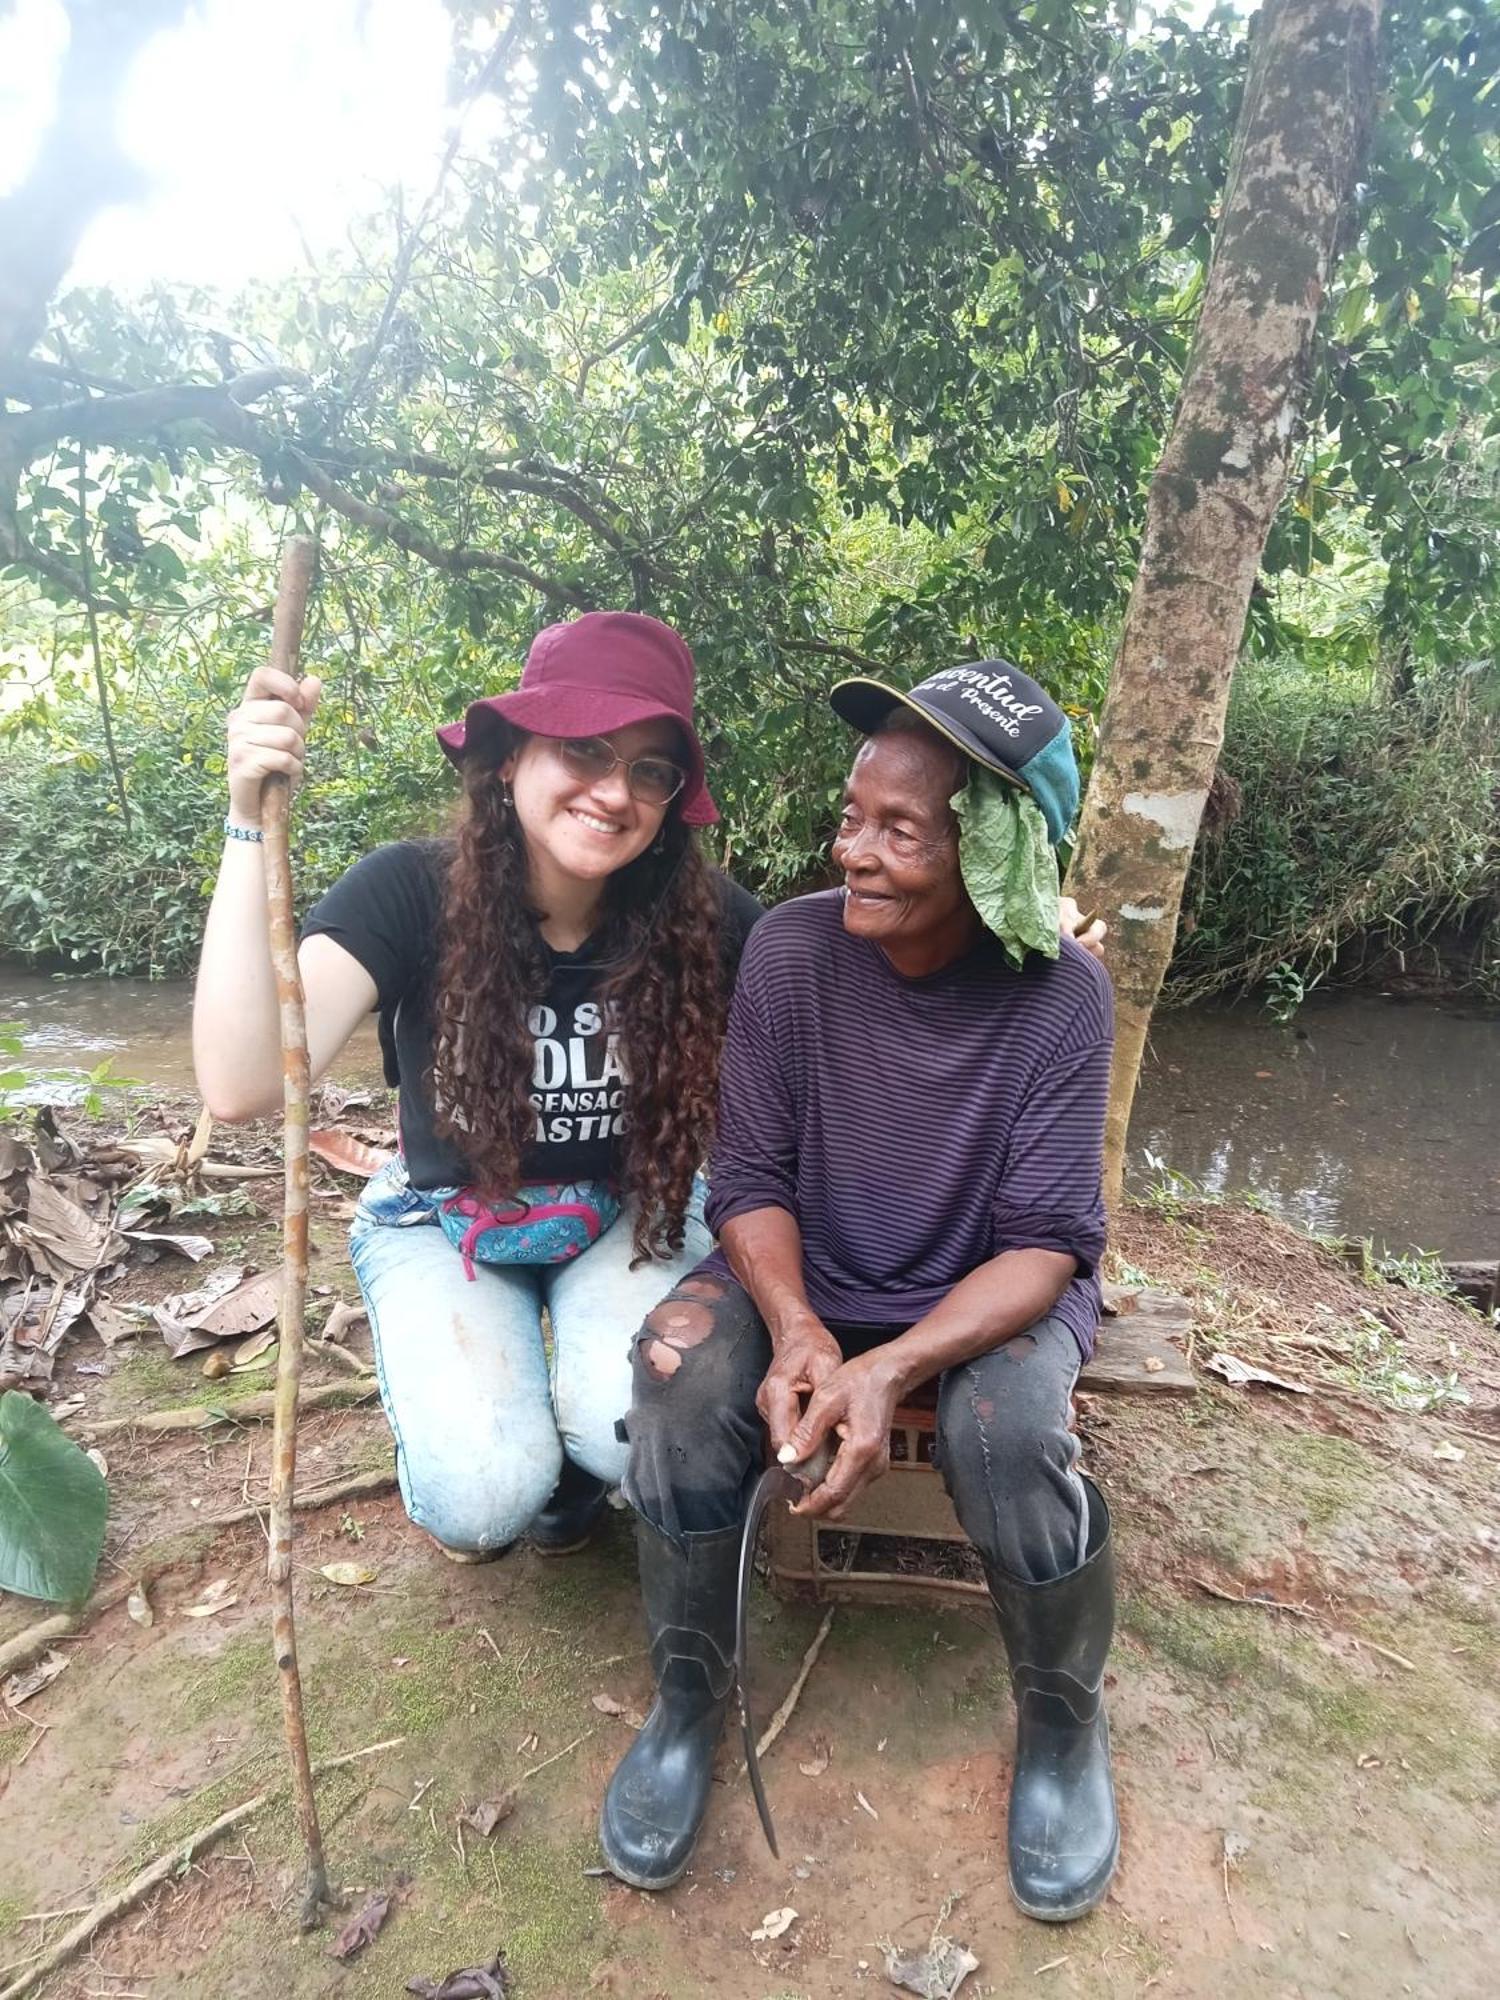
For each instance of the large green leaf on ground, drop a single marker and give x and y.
(53, 1504)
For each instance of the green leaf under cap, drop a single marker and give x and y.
(1009, 866)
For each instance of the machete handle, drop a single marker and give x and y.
(813, 1470)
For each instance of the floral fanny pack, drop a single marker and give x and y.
(547, 1222)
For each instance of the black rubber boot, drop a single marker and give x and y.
(569, 1519)
(1064, 1833)
(659, 1794)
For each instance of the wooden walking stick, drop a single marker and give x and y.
(286, 640)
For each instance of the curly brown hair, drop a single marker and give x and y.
(658, 949)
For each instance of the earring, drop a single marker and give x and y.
(507, 803)
(659, 845)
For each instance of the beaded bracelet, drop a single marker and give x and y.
(233, 832)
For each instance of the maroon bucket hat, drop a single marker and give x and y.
(591, 676)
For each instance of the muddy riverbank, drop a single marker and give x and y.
(1303, 1693)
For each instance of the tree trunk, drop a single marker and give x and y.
(1308, 101)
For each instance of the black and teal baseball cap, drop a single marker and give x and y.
(996, 715)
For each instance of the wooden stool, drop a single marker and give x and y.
(1137, 1354)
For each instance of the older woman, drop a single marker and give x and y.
(906, 1185)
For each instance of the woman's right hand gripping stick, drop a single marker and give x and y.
(267, 733)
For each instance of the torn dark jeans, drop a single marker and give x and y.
(1004, 1444)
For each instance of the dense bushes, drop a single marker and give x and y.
(1348, 820)
(80, 885)
(1346, 816)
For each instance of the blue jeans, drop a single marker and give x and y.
(482, 1418)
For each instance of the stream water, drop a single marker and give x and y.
(1365, 1117)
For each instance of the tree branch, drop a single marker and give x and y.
(832, 649)
(390, 527)
(496, 63)
(554, 484)
(91, 611)
(220, 407)
(101, 420)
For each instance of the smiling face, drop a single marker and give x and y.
(581, 829)
(897, 845)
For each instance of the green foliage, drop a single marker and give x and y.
(1350, 816)
(53, 1506)
(846, 339)
(11, 1080)
(1381, 1368)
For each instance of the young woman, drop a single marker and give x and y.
(551, 983)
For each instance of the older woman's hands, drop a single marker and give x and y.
(858, 1404)
(806, 1356)
(1070, 917)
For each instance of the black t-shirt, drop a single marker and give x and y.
(386, 912)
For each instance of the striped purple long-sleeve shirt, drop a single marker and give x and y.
(914, 1127)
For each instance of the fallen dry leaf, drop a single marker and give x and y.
(248, 1307)
(349, 1154)
(351, 1575)
(774, 1924)
(61, 1237)
(934, 1974)
(1153, 1364)
(1448, 1452)
(258, 1343)
(866, 1804)
(110, 1325)
(470, 1982)
(488, 1814)
(817, 1764)
(175, 1317)
(219, 1595)
(138, 1604)
(99, 1459)
(363, 1929)
(607, 1705)
(194, 1248)
(22, 1686)
(1240, 1373)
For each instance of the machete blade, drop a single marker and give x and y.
(777, 1482)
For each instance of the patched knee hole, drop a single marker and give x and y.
(698, 1288)
(661, 1360)
(984, 1409)
(683, 1322)
(670, 1328)
(1019, 1348)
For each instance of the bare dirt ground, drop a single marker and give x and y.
(1308, 1778)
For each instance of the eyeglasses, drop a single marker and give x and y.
(655, 781)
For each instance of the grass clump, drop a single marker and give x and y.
(241, 1680)
(1328, 1477)
(1380, 1368)
(1198, 1640)
(150, 1379)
